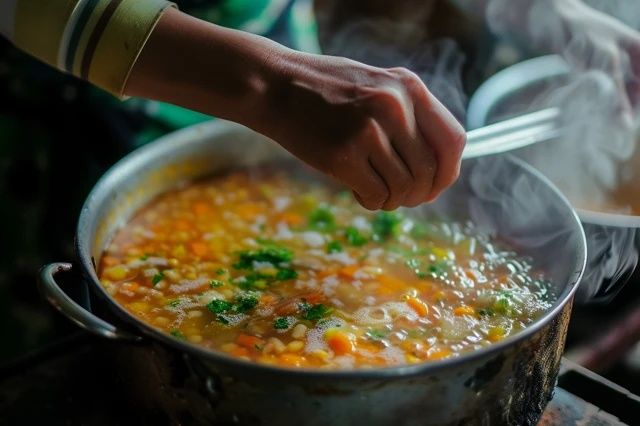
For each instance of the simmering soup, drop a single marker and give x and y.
(268, 267)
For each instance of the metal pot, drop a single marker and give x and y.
(613, 240)
(509, 382)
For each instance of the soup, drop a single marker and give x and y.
(269, 267)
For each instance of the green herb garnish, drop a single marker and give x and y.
(245, 302)
(216, 283)
(334, 247)
(221, 271)
(354, 237)
(486, 312)
(219, 306)
(285, 274)
(273, 254)
(177, 334)
(157, 278)
(322, 219)
(281, 323)
(386, 225)
(144, 257)
(314, 312)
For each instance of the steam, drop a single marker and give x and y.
(387, 43)
(599, 151)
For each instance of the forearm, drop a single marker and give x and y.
(211, 69)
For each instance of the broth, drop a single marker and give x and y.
(268, 267)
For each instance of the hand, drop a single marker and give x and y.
(378, 131)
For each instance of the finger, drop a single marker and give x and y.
(399, 122)
(421, 161)
(395, 173)
(368, 187)
(442, 132)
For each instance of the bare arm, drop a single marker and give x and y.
(379, 131)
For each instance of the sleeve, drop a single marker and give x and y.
(96, 40)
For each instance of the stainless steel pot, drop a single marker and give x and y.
(509, 382)
(613, 240)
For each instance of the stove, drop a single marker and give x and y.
(74, 382)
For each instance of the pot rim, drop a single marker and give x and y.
(217, 127)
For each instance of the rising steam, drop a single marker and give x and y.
(598, 153)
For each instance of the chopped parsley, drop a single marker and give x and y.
(245, 302)
(503, 303)
(144, 257)
(177, 334)
(314, 312)
(285, 274)
(221, 271)
(157, 278)
(272, 253)
(334, 247)
(486, 312)
(386, 225)
(219, 306)
(281, 323)
(322, 219)
(354, 237)
(438, 269)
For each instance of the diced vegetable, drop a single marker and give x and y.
(276, 270)
(322, 219)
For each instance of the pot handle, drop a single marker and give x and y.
(72, 310)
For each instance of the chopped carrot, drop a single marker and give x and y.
(349, 271)
(249, 342)
(198, 248)
(291, 218)
(418, 306)
(339, 341)
(464, 310)
(201, 208)
(438, 353)
(292, 360)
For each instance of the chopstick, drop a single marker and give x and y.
(514, 133)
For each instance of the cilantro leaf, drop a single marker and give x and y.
(245, 302)
(273, 254)
(386, 224)
(281, 323)
(322, 219)
(157, 278)
(354, 237)
(218, 306)
(314, 312)
(334, 247)
(216, 283)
